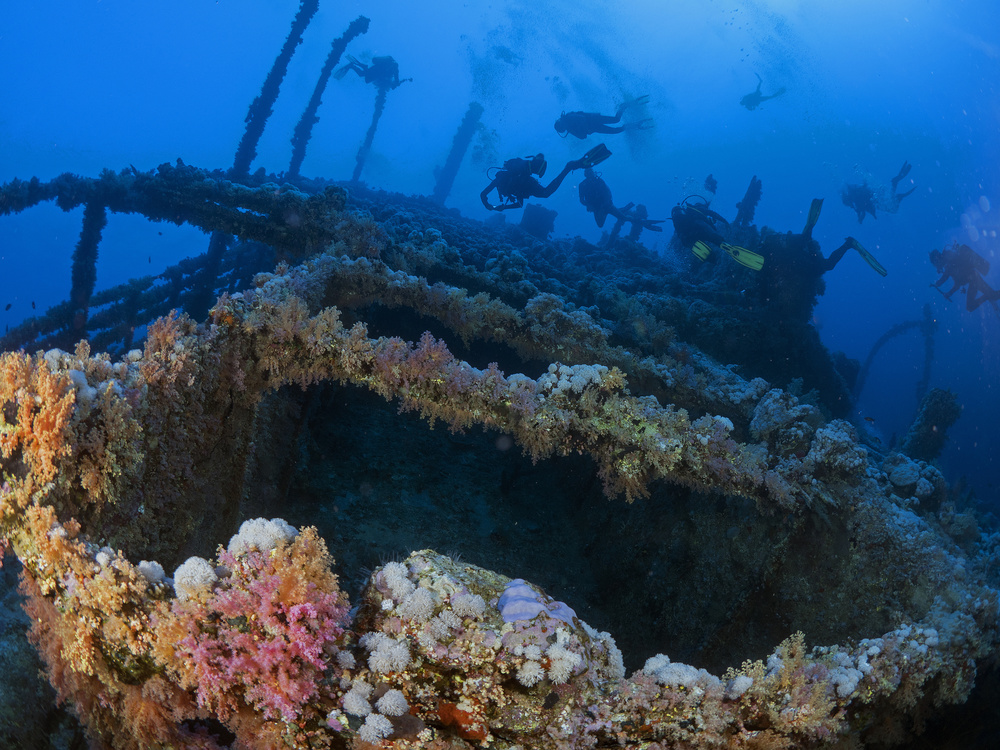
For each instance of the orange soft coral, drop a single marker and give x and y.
(36, 406)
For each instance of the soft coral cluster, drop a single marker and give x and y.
(264, 636)
(36, 405)
(143, 669)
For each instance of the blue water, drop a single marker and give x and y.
(89, 85)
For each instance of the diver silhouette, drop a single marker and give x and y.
(754, 99)
(383, 72)
(793, 278)
(866, 200)
(861, 198)
(582, 124)
(595, 195)
(695, 228)
(515, 181)
(966, 268)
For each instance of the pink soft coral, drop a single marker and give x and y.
(263, 635)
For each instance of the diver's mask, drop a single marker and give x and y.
(538, 164)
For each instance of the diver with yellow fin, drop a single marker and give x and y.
(793, 279)
(695, 227)
(515, 181)
(849, 244)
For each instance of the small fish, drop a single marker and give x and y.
(870, 419)
(150, 258)
(32, 304)
(9, 305)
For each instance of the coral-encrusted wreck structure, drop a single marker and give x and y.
(170, 613)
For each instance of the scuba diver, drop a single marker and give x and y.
(383, 72)
(514, 181)
(754, 99)
(827, 264)
(861, 198)
(694, 225)
(582, 124)
(793, 278)
(865, 200)
(595, 195)
(966, 268)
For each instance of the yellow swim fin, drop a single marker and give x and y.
(814, 208)
(744, 257)
(869, 258)
(595, 156)
(701, 250)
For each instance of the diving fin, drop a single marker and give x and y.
(903, 171)
(341, 72)
(701, 250)
(595, 156)
(814, 208)
(869, 258)
(744, 257)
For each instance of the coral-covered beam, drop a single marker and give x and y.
(262, 105)
(279, 216)
(303, 130)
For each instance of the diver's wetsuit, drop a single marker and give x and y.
(595, 195)
(861, 198)
(514, 183)
(694, 223)
(582, 124)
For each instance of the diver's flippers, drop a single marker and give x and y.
(869, 258)
(903, 171)
(701, 250)
(744, 257)
(814, 209)
(595, 156)
(352, 61)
